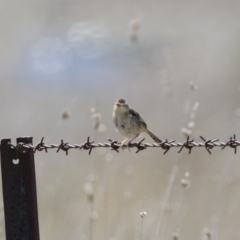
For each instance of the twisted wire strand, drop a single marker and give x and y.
(140, 146)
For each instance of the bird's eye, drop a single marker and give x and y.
(119, 105)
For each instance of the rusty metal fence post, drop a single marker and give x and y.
(19, 191)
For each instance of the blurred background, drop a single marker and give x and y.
(65, 63)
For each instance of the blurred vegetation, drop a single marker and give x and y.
(65, 63)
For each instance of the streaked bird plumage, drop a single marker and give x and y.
(129, 123)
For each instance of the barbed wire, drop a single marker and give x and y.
(140, 146)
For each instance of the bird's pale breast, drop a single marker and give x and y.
(127, 126)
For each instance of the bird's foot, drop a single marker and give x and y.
(122, 144)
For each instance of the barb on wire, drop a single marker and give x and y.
(209, 144)
(233, 143)
(189, 144)
(114, 145)
(40, 146)
(87, 146)
(140, 146)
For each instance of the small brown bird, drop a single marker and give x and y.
(129, 123)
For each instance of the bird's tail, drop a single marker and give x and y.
(155, 138)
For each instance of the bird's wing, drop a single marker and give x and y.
(137, 117)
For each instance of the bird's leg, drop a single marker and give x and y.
(122, 143)
(132, 140)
